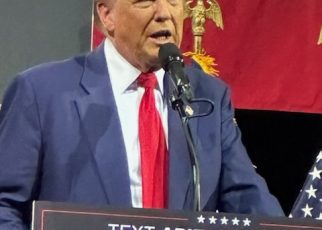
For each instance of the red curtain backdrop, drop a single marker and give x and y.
(268, 53)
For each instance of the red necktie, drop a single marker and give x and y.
(154, 156)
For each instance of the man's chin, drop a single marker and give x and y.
(151, 60)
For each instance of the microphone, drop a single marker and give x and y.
(171, 61)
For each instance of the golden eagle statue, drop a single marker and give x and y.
(198, 14)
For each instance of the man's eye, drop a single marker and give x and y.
(144, 3)
(173, 2)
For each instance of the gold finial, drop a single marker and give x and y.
(320, 38)
(199, 13)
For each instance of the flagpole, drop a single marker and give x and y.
(92, 29)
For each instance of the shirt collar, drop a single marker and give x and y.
(122, 74)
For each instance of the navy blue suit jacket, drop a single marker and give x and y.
(61, 140)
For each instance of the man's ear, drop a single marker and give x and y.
(103, 9)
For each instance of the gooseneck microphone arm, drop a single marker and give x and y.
(179, 105)
(181, 100)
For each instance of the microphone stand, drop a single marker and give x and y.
(181, 104)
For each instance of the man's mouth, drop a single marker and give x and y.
(161, 35)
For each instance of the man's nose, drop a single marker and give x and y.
(162, 10)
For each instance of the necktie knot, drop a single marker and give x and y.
(147, 80)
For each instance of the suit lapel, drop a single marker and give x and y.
(100, 121)
(181, 182)
(201, 131)
(180, 171)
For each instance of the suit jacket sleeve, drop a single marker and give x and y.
(20, 143)
(242, 190)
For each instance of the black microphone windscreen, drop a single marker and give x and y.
(169, 52)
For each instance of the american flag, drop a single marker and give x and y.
(309, 202)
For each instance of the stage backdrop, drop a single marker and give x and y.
(36, 31)
(269, 51)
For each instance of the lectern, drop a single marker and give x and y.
(65, 216)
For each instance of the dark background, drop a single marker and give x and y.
(36, 31)
(282, 145)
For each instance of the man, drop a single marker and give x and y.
(69, 130)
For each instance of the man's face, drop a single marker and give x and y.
(139, 27)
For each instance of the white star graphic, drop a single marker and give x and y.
(320, 217)
(235, 221)
(201, 219)
(307, 211)
(246, 222)
(224, 220)
(212, 220)
(311, 192)
(315, 173)
(319, 157)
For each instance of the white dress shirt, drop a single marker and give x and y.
(127, 96)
